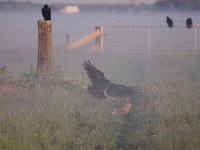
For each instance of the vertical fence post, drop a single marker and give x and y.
(149, 40)
(44, 63)
(102, 39)
(67, 39)
(195, 40)
(99, 40)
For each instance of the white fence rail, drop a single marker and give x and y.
(151, 39)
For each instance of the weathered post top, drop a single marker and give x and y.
(44, 48)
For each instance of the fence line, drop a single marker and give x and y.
(152, 39)
(87, 38)
(144, 39)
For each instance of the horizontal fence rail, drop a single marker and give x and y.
(154, 39)
(95, 35)
(140, 39)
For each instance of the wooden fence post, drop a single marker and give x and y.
(99, 39)
(67, 39)
(195, 40)
(87, 38)
(149, 40)
(44, 49)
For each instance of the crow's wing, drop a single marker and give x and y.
(100, 84)
(96, 91)
(119, 90)
(96, 76)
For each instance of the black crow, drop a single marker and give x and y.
(189, 23)
(46, 12)
(102, 87)
(169, 22)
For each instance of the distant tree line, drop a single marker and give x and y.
(179, 4)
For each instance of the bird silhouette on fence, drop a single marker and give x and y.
(189, 23)
(102, 87)
(169, 22)
(46, 12)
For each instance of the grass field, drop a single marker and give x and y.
(58, 113)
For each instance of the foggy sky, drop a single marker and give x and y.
(88, 1)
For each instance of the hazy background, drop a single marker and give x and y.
(88, 1)
(18, 28)
(139, 49)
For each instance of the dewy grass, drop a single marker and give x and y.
(58, 113)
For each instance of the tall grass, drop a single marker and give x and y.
(58, 113)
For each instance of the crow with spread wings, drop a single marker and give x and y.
(101, 86)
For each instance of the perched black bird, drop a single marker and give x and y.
(101, 86)
(189, 23)
(46, 12)
(169, 22)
